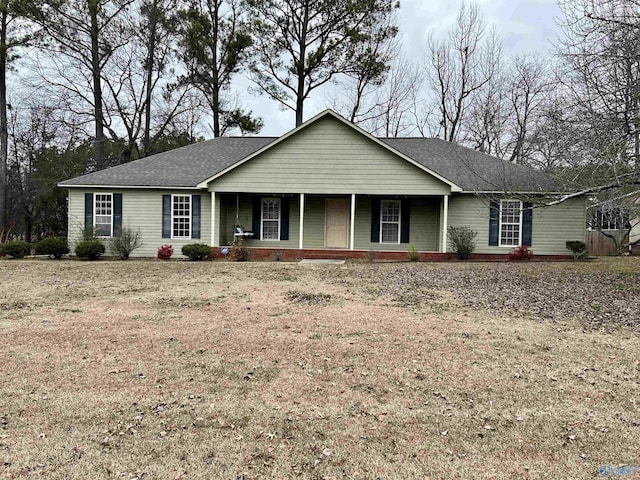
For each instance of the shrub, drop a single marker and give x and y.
(462, 241)
(90, 249)
(125, 243)
(238, 253)
(16, 249)
(165, 252)
(277, 255)
(412, 253)
(521, 253)
(196, 251)
(578, 248)
(55, 247)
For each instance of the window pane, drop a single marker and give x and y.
(510, 221)
(390, 221)
(390, 211)
(103, 214)
(390, 232)
(103, 230)
(270, 219)
(510, 235)
(271, 209)
(181, 223)
(270, 230)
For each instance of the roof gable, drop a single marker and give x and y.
(308, 124)
(328, 157)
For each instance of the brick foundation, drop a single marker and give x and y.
(291, 254)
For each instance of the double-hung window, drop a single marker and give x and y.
(390, 221)
(270, 219)
(510, 223)
(181, 216)
(103, 214)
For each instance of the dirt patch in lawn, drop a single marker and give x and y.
(217, 370)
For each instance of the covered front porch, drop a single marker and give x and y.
(335, 225)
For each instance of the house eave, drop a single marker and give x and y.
(131, 187)
(511, 192)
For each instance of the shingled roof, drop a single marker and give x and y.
(189, 166)
(181, 167)
(472, 170)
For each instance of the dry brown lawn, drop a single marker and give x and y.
(178, 370)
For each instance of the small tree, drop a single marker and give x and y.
(462, 241)
(125, 243)
(578, 248)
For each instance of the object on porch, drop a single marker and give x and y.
(240, 233)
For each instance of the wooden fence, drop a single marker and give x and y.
(599, 244)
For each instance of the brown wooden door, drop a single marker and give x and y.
(336, 223)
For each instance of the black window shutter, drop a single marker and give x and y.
(117, 214)
(166, 216)
(285, 204)
(195, 216)
(527, 223)
(494, 222)
(88, 213)
(375, 220)
(257, 213)
(405, 214)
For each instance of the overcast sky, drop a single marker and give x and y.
(525, 25)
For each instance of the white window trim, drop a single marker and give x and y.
(399, 221)
(173, 196)
(262, 199)
(95, 214)
(500, 224)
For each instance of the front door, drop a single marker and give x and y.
(336, 223)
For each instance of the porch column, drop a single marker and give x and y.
(352, 222)
(444, 221)
(214, 232)
(301, 243)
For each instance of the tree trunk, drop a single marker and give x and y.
(94, 6)
(4, 134)
(300, 70)
(151, 52)
(215, 100)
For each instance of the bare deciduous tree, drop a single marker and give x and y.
(458, 67)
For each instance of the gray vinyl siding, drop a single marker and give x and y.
(142, 211)
(327, 158)
(552, 226)
(314, 217)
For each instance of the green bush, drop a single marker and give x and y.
(90, 249)
(578, 248)
(16, 249)
(196, 251)
(55, 247)
(462, 241)
(125, 243)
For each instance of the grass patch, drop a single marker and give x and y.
(174, 370)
